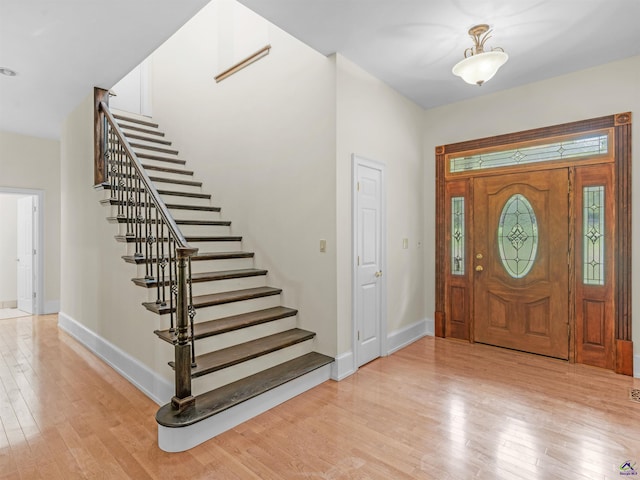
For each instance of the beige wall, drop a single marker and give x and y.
(97, 292)
(599, 91)
(377, 123)
(34, 164)
(263, 143)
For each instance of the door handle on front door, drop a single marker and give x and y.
(479, 268)
(379, 274)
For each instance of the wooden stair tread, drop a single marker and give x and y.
(216, 238)
(153, 148)
(228, 324)
(223, 398)
(139, 121)
(176, 171)
(145, 138)
(207, 276)
(219, 223)
(210, 223)
(160, 158)
(205, 208)
(141, 129)
(212, 299)
(197, 257)
(192, 207)
(175, 193)
(176, 181)
(227, 357)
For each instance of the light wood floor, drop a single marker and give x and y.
(437, 409)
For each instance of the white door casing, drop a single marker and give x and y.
(26, 253)
(369, 234)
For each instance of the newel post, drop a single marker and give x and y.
(183, 396)
(99, 136)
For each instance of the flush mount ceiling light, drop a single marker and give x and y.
(479, 66)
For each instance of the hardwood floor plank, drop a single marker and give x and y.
(436, 409)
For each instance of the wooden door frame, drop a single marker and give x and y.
(620, 125)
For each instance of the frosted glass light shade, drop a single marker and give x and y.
(481, 67)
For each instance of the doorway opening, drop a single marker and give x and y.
(21, 261)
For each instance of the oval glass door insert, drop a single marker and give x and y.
(518, 236)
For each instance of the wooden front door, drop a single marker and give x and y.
(520, 261)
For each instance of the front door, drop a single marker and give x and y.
(520, 261)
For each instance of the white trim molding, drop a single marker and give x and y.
(406, 336)
(636, 366)
(184, 438)
(142, 377)
(343, 366)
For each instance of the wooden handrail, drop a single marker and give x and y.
(187, 250)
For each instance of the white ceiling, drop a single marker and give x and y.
(413, 44)
(61, 49)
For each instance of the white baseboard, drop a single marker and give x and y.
(636, 366)
(405, 336)
(51, 306)
(430, 330)
(184, 438)
(9, 304)
(343, 366)
(141, 376)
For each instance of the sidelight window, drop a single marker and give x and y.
(457, 236)
(593, 235)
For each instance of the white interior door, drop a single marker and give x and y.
(26, 253)
(369, 259)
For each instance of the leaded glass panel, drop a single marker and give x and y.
(518, 236)
(457, 236)
(571, 148)
(593, 235)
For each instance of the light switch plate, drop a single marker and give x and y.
(323, 246)
(405, 243)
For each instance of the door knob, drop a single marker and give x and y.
(479, 268)
(379, 274)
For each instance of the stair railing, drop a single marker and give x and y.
(158, 241)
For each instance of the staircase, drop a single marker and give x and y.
(246, 352)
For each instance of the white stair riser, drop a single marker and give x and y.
(168, 175)
(205, 230)
(149, 141)
(222, 377)
(161, 163)
(229, 339)
(229, 309)
(180, 200)
(201, 266)
(191, 230)
(176, 187)
(194, 214)
(202, 246)
(218, 286)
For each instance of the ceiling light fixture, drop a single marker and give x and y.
(479, 66)
(7, 71)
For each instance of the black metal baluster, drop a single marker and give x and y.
(172, 286)
(192, 313)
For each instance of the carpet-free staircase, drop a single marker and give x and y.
(249, 353)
